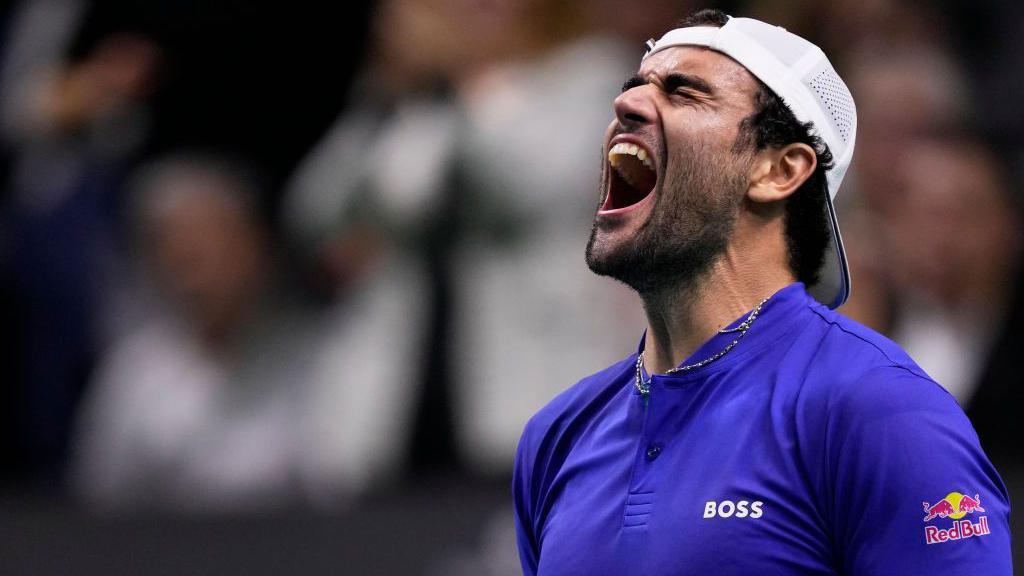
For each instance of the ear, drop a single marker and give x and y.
(778, 172)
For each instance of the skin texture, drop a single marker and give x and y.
(708, 245)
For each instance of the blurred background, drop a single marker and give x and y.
(280, 283)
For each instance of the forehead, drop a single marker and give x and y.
(727, 77)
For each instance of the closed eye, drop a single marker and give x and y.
(674, 83)
(677, 83)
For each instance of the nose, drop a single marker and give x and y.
(635, 107)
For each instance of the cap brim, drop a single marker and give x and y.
(833, 287)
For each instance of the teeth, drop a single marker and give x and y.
(633, 150)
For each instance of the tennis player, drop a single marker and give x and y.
(756, 430)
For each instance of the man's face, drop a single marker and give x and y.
(209, 254)
(674, 177)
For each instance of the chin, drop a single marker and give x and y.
(612, 253)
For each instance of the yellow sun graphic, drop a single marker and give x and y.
(954, 499)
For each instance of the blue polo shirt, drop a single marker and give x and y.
(815, 446)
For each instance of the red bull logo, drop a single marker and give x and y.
(955, 506)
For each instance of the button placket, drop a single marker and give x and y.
(653, 451)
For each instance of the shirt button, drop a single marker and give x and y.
(653, 450)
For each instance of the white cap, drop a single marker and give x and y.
(800, 74)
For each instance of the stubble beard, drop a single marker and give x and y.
(688, 229)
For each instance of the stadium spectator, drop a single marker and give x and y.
(212, 402)
(954, 240)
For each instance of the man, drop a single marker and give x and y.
(214, 400)
(756, 431)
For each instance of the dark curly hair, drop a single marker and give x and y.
(772, 124)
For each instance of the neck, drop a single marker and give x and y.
(681, 318)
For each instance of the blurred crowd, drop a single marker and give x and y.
(256, 256)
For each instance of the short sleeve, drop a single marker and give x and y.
(523, 498)
(912, 490)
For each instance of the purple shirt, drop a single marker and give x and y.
(815, 446)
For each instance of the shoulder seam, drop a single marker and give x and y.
(892, 362)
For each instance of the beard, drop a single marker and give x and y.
(688, 228)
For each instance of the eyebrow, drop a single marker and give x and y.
(672, 82)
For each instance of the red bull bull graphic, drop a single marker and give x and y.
(970, 505)
(941, 508)
(955, 506)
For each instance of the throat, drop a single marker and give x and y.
(680, 323)
(673, 332)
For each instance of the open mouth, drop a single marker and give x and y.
(632, 177)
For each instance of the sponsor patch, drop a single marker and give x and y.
(954, 507)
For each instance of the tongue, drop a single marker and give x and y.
(631, 182)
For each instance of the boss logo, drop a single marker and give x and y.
(728, 509)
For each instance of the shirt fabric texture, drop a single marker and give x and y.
(815, 446)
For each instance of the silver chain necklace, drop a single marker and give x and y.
(645, 387)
